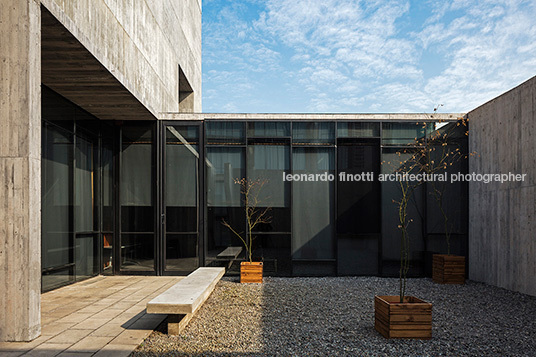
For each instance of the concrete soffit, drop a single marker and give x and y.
(74, 68)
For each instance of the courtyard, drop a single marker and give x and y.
(335, 316)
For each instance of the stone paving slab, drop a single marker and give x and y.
(101, 316)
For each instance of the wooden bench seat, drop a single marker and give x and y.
(183, 299)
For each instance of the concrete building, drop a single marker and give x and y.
(109, 166)
(116, 59)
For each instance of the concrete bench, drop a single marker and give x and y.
(183, 299)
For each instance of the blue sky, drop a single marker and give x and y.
(275, 56)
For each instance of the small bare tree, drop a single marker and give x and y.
(407, 189)
(250, 190)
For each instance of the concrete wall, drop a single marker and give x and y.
(142, 43)
(502, 222)
(20, 170)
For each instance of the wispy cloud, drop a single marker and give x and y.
(364, 56)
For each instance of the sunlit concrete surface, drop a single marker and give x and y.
(102, 316)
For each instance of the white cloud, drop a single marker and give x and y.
(362, 56)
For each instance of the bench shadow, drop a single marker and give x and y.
(144, 321)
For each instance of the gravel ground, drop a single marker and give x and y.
(335, 316)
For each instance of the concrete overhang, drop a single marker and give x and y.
(68, 68)
(315, 116)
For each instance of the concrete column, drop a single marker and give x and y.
(20, 170)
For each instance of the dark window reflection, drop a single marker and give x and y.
(136, 197)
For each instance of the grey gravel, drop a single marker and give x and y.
(335, 316)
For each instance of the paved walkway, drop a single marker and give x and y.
(102, 316)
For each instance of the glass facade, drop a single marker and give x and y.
(150, 197)
(72, 192)
(136, 197)
(181, 197)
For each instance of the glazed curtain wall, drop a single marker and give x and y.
(326, 227)
(149, 197)
(73, 196)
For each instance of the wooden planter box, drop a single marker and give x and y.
(411, 319)
(251, 272)
(448, 269)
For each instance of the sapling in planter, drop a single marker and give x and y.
(250, 271)
(404, 316)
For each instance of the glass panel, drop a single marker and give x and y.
(220, 237)
(85, 218)
(224, 165)
(311, 133)
(85, 214)
(225, 133)
(181, 197)
(274, 250)
(358, 207)
(136, 197)
(181, 169)
(268, 129)
(268, 162)
(280, 221)
(107, 253)
(86, 256)
(56, 109)
(137, 252)
(358, 130)
(358, 200)
(313, 224)
(54, 279)
(404, 133)
(107, 186)
(181, 252)
(57, 165)
(136, 166)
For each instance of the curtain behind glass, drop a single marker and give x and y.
(358, 130)
(136, 175)
(403, 133)
(57, 168)
(268, 129)
(268, 162)
(181, 176)
(314, 133)
(83, 183)
(225, 133)
(313, 226)
(224, 164)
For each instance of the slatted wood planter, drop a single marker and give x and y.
(251, 272)
(448, 269)
(411, 319)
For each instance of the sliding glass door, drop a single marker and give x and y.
(313, 201)
(358, 206)
(137, 198)
(181, 198)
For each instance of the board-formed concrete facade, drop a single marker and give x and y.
(142, 43)
(502, 222)
(110, 57)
